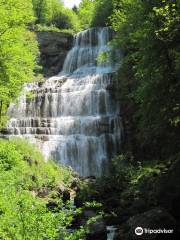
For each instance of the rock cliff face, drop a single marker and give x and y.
(54, 47)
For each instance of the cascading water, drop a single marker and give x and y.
(111, 232)
(73, 117)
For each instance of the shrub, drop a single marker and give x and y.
(24, 214)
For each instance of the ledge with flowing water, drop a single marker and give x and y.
(73, 117)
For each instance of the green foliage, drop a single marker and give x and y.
(93, 204)
(95, 13)
(87, 191)
(23, 217)
(51, 28)
(18, 50)
(46, 174)
(80, 234)
(7, 159)
(130, 172)
(105, 57)
(136, 180)
(23, 212)
(86, 12)
(123, 171)
(148, 33)
(102, 12)
(65, 18)
(53, 14)
(43, 9)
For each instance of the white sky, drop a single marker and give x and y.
(71, 3)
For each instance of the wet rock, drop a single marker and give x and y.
(90, 179)
(43, 124)
(45, 138)
(104, 125)
(41, 130)
(64, 193)
(4, 131)
(97, 231)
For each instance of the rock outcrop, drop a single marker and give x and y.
(157, 219)
(53, 50)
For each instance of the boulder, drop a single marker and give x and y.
(167, 190)
(156, 219)
(63, 192)
(43, 192)
(75, 185)
(97, 231)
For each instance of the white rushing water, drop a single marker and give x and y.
(111, 232)
(73, 117)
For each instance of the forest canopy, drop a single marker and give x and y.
(53, 13)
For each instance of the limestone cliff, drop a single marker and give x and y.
(53, 50)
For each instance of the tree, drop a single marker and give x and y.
(53, 13)
(64, 18)
(41, 10)
(18, 50)
(86, 12)
(148, 34)
(75, 9)
(102, 12)
(95, 13)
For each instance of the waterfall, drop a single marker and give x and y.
(74, 117)
(111, 232)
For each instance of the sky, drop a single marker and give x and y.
(71, 3)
